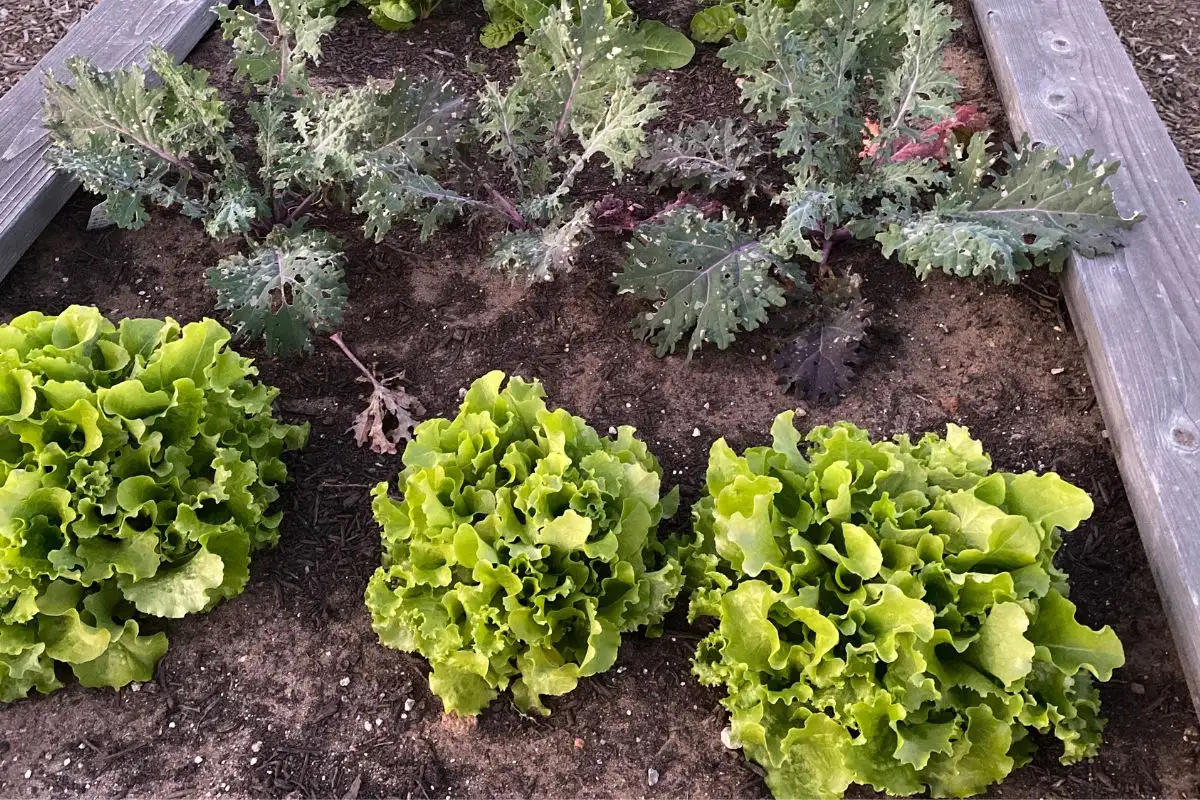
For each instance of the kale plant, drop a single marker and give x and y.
(867, 124)
(170, 144)
(578, 97)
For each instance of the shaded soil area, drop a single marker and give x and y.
(285, 692)
(1163, 39)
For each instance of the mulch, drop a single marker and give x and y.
(1163, 38)
(29, 29)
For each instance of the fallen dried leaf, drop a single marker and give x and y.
(390, 415)
(949, 403)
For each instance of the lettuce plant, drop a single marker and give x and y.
(890, 614)
(138, 466)
(659, 46)
(391, 15)
(523, 546)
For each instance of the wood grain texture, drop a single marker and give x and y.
(1066, 81)
(115, 34)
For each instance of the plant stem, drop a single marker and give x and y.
(337, 339)
(296, 212)
(504, 206)
(839, 235)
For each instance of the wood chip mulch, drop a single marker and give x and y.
(29, 28)
(1163, 38)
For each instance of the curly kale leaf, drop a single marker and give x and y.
(820, 361)
(541, 254)
(137, 144)
(920, 88)
(571, 65)
(577, 78)
(276, 52)
(290, 286)
(407, 130)
(618, 136)
(404, 194)
(773, 59)
(812, 213)
(1000, 224)
(703, 155)
(503, 123)
(577, 97)
(821, 66)
(416, 122)
(326, 140)
(234, 208)
(657, 45)
(705, 276)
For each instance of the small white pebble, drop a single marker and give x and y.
(344, 682)
(254, 748)
(198, 759)
(409, 704)
(695, 433)
(253, 760)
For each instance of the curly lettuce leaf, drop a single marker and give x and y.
(139, 467)
(522, 547)
(889, 613)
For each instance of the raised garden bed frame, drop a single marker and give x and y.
(115, 34)
(1065, 80)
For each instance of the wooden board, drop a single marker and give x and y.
(1066, 81)
(115, 34)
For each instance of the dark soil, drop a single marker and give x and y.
(285, 691)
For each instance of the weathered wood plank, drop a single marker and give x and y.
(1067, 81)
(115, 34)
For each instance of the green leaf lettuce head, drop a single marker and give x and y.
(138, 466)
(524, 546)
(889, 613)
